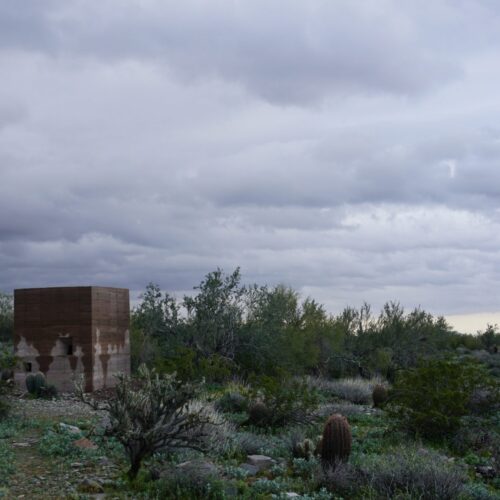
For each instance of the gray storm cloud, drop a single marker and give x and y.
(349, 149)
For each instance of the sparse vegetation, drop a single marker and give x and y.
(231, 389)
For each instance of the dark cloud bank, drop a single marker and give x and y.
(349, 149)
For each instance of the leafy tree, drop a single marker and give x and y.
(490, 338)
(6, 317)
(156, 327)
(214, 315)
(273, 316)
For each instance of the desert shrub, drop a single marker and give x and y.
(7, 363)
(6, 462)
(232, 402)
(282, 402)
(305, 468)
(60, 444)
(344, 408)
(322, 494)
(356, 390)
(418, 473)
(477, 491)
(156, 413)
(216, 368)
(266, 486)
(343, 479)
(184, 485)
(248, 443)
(431, 398)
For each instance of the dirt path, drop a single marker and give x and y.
(41, 477)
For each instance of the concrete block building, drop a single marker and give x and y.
(65, 331)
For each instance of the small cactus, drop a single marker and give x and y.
(379, 395)
(336, 441)
(319, 446)
(30, 383)
(40, 383)
(304, 449)
(36, 383)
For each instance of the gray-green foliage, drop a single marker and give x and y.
(215, 313)
(6, 317)
(6, 462)
(226, 328)
(418, 472)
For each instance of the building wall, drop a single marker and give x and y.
(55, 332)
(110, 335)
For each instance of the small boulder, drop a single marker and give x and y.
(90, 486)
(73, 429)
(200, 467)
(262, 462)
(252, 470)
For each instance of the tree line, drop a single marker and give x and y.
(228, 328)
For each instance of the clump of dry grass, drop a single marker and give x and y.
(356, 390)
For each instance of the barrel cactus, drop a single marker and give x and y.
(30, 383)
(379, 395)
(336, 441)
(36, 383)
(40, 383)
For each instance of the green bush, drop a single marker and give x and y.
(430, 399)
(60, 444)
(287, 400)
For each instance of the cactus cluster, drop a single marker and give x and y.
(336, 441)
(304, 449)
(38, 387)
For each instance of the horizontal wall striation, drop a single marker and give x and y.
(55, 333)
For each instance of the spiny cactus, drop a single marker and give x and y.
(319, 446)
(379, 395)
(30, 383)
(304, 449)
(36, 383)
(336, 441)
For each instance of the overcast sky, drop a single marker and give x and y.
(350, 149)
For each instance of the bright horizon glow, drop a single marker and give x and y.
(472, 323)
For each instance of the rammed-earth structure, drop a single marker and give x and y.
(67, 331)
